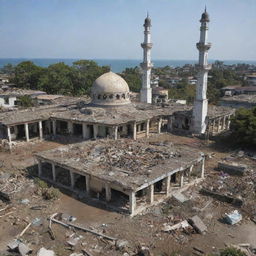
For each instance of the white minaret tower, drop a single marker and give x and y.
(146, 65)
(201, 103)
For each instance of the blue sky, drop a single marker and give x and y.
(113, 28)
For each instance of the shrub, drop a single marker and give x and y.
(232, 252)
(51, 193)
(40, 183)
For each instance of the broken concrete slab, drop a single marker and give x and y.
(13, 244)
(24, 249)
(183, 224)
(180, 197)
(232, 168)
(197, 224)
(45, 252)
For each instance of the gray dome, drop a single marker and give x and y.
(110, 89)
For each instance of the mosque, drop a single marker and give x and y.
(148, 173)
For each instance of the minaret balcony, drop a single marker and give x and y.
(146, 45)
(146, 65)
(203, 46)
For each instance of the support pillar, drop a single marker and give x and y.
(54, 127)
(115, 132)
(26, 131)
(190, 171)
(167, 184)
(169, 124)
(134, 130)
(132, 200)
(53, 172)
(95, 131)
(70, 128)
(9, 134)
(181, 179)
(159, 125)
(218, 127)
(72, 179)
(151, 193)
(147, 128)
(228, 122)
(108, 192)
(87, 182)
(40, 126)
(213, 126)
(39, 168)
(202, 170)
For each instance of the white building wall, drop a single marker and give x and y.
(12, 100)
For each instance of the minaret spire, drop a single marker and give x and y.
(146, 65)
(201, 103)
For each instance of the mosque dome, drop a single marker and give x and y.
(110, 89)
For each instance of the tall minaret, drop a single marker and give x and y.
(146, 65)
(201, 102)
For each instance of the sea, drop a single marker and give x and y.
(117, 65)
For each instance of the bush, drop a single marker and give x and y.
(40, 183)
(51, 193)
(232, 252)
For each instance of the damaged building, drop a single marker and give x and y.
(129, 175)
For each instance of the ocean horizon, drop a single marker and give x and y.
(117, 65)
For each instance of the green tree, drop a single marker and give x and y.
(27, 75)
(8, 69)
(133, 78)
(26, 101)
(85, 73)
(243, 126)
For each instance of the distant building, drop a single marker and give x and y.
(239, 101)
(159, 95)
(251, 79)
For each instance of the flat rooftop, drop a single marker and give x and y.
(240, 98)
(127, 163)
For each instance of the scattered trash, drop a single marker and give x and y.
(121, 244)
(233, 217)
(24, 249)
(25, 201)
(37, 222)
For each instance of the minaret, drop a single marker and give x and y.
(201, 103)
(146, 65)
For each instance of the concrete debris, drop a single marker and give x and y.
(122, 244)
(25, 201)
(232, 168)
(181, 225)
(37, 222)
(233, 217)
(24, 249)
(180, 197)
(197, 224)
(13, 244)
(45, 252)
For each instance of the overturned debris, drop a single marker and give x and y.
(233, 217)
(232, 168)
(223, 198)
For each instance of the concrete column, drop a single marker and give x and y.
(26, 131)
(108, 192)
(151, 193)
(53, 172)
(159, 125)
(169, 124)
(228, 122)
(95, 131)
(190, 171)
(40, 127)
(213, 126)
(134, 130)
(132, 200)
(115, 132)
(167, 184)
(9, 136)
(70, 128)
(87, 181)
(54, 127)
(218, 127)
(72, 179)
(224, 123)
(147, 128)
(202, 170)
(181, 179)
(39, 168)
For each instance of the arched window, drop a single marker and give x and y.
(104, 96)
(123, 96)
(111, 96)
(118, 97)
(99, 96)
